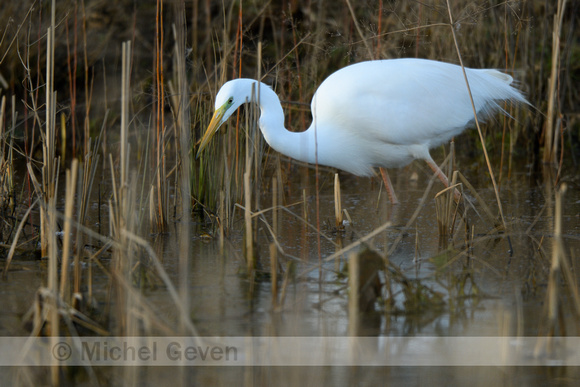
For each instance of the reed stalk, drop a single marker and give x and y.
(72, 76)
(89, 169)
(160, 187)
(50, 165)
(16, 237)
(248, 234)
(274, 274)
(121, 207)
(183, 130)
(560, 273)
(353, 294)
(53, 317)
(550, 130)
(62, 139)
(6, 184)
(48, 192)
(71, 185)
(275, 195)
(337, 203)
(88, 86)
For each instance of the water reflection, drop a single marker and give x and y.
(481, 290)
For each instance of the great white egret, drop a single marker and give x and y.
(382, 113)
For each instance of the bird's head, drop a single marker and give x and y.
(231, 95)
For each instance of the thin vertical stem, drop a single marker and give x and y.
(549, 151)
(160, 115)
(71, 184)
(126, 48)
(184, 120)
(482, 140)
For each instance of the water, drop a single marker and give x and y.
(493, 293)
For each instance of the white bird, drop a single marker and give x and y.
(382, 113)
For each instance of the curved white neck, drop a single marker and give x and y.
(297, 145)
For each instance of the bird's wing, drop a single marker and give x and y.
(405, 102)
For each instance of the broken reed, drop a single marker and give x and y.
(337, 203)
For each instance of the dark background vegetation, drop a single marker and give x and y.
(302, 43)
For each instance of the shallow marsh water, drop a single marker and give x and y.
(498, 295)
(506, 296)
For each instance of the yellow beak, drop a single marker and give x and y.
(213, 127)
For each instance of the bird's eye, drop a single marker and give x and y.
(231, 100)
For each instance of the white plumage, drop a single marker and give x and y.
(382, 113)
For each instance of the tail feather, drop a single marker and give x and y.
(499, 75)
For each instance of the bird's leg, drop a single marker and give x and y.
(442, 177)
(438, 172)
(389, 186)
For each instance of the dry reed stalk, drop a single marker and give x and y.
(62, 139)
(5, 164)
(89, 169)
(249, 163)
(353, 294)
(125, 90)
(49, 166)
(53, 320)
(445, 201)
(8, 175)
(222, 220)
(256, 132)
(71, 184)
(274, 274)
(417, 256)
(275, 205)
(287, 274)
(248, 224)
(19, 229)
(88, 86)
(183, 125)
(121, 207)
(337, 202)
(560, 271)
(161, 188)
(152, 207)
(447, 211)
(237, 61)
(550, 138)
(559, 260)
(48, 227)
(72, 76)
